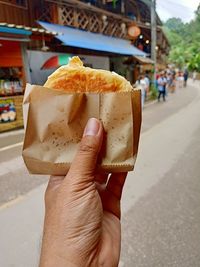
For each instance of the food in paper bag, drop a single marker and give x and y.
(55, 116)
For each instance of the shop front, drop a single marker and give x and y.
(42, 64)
(12, 77)
(95, 50)
(140, 66)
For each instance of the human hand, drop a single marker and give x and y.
(82, 218)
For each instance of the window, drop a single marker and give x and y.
(11, 81)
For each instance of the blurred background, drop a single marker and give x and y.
(154, 45)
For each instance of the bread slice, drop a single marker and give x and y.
(74, 77)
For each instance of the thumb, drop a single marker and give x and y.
(84, 164)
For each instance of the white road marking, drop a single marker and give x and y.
(11, 146)
(11, 202)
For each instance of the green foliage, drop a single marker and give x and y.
(173, 37)
(184, 39)
(194, 63)
(175, 25)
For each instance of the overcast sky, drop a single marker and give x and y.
(183, 9)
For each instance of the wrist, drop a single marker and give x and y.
(52, 261)
(50, 258)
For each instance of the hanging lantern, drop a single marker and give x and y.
(133, 31)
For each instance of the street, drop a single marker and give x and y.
(160, 205)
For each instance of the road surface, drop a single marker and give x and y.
(161, 211)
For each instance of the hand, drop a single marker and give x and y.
(82, 218)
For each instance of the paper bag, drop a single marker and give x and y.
(54, 124)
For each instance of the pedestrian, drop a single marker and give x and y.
(173, 85)
(166, 84)
(194, 75)
(169, 82)
(147, 80)
(82, 210)
(180, 79)
(162, 87)
(142, 85)
(185, 76)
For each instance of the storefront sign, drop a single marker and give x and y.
(7, 111)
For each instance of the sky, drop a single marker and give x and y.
(183, 9)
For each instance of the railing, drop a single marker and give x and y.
(87, 17)
(75, 16)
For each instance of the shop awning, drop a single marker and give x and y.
(20, 33)
(12, 33)
(13, 30)
(79, 38)
(141, 60)
(144, 60)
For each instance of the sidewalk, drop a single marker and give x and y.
(21, 223)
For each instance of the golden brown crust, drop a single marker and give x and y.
(74, 77)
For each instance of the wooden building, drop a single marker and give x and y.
(103, 17)
(99, 16)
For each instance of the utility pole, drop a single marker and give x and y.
(153, 34)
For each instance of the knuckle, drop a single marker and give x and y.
(88, 148)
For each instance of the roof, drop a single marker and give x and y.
(144, 60)
(22, 30)
(94, 41)
(13, 30)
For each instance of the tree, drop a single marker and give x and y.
(184, 39)
(194, 63)
(175, 25)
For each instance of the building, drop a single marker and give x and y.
(14, 71)
(96, 30)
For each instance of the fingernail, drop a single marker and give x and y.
(92, 127)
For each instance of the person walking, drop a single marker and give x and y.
(147, 80)
(166, 85)
(162, 87)
(173, 85)
(185, 76)
(142, 85)
(169, 82)
(180, 80)
(194, 75)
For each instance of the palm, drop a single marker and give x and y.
(109, 247)
(98, 223)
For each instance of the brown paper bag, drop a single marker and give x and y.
(55, 120)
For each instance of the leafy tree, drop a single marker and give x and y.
(175, 25)
(184, 39)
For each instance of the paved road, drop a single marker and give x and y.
(161, 222)
(161, 211)
(14, 179)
